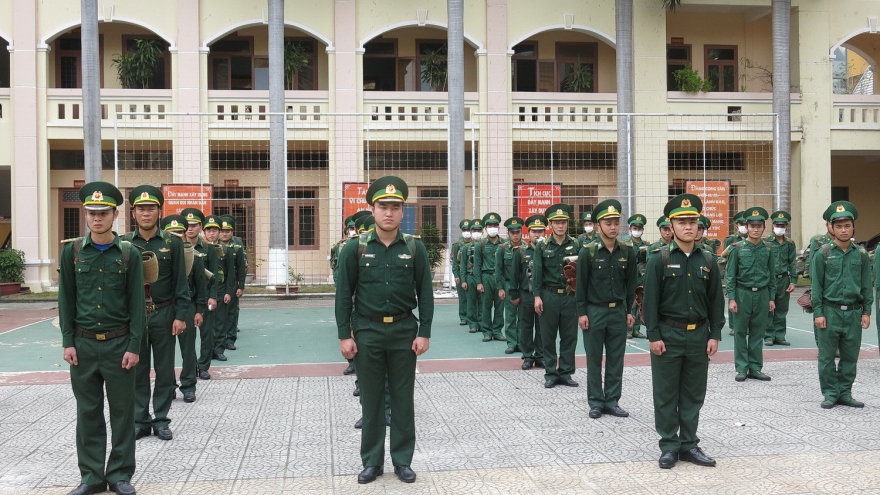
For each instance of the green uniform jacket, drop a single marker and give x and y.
(334, 257)
(454, 257)
(549, 260)
(844, 278)
(466, 266)
(654, 249)
(484, 256)
(522, 270)
(225, 274)
(97, 293)
(504, 265)
(734, 238)
(585, 239)
(198, 283)
(211, 264)
(172, 283)
(784, 258)
(606, 277)
(386, 281)
(816, 242)
(685, 289)
(749, 266)
(241, 263)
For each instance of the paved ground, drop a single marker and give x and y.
(281, 422)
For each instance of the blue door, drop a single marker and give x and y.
(408, 225)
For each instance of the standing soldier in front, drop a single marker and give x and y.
(492, 323)
(166, 318)
(636, 230)
(388, 275)
(470, 278)
(554, 298)
(504, 269)
(101, 332)
(842, 299)
(749, 282)
(684, 314)
(522, 294)
(784, 275)
(606, 285)
(455, 261)
(234, 246)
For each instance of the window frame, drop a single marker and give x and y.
(417, 74)
(294, 219)
(513, 63)
(442, 204)
(594, 87)
(394, 56)
(59, 53)
(165, 54)
(670, 82)
(212, 55)
(722, 63)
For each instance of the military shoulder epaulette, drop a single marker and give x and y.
(416, 236)
(65, 241)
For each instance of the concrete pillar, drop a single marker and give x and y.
(345, 81)
(190, 163)
(496, 164)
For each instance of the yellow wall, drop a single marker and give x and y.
(861, 174)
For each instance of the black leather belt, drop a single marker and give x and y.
(101, 335)
(158, 306)
(842, 307)
(684, 326)
(555, 290)
(752, 289)
(782, 275)
(613, 304)
(389, 319)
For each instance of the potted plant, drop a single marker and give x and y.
(579, 78)
(434, 68)
(689, 81)
(293, 280)
(294, 61)
(431, 239)
(136, 68)
(11, 271)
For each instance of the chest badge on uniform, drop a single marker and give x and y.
(404, 256)
(164, 250)
(569, 247)
(673, 266)
(621, 259)
(705, 269)
(369, 255)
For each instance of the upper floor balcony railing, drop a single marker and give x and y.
(858, 112)
(426, 108)
(64, 106)
(304, 108)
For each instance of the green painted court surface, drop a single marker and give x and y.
(293, 335)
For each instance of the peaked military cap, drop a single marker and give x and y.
(100, 196)
(491, 217)
(841, 210)
(663, 221)
(514, 223)
(227, 222)
(366, 222)
(637, 219)
(683, 206)
(756, 214)
(348, 222)
(781, 216)
(740, 217)
(610, 208)
(193, 215)
(357, 217)
(476, 224)
(174, 222)
(586, 216)
(704, 222)
(212, 221)
(146, 195)
(464, 224)
(388, 188)
(559, 211)
(536, 222)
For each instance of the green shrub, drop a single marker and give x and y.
(11, 265)
(689, 81)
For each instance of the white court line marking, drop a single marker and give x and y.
(25, 326)
(869, 345)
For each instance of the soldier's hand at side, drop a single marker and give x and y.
(658, 348)
(515, 302)
(457, 281)
(70, 355)
(772, 306)
(866, 321)
(820, 322)
(420, 345)
(732, 306)
(238, 292)
(226, 298)
(212, 303)
(711, 347)
(790, 288)
(501, 294)
(584, 322)
(130, 360)
(630, 321)
(198, 319)
(464, 285)
(539, 305)
(348, 348)
(480, 288)
(178, 327)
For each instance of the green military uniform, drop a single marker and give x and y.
(384, 284)
(208, 254)
(738, 219)
(504, 269)
(492, 323)
(663, 221)
(171, 300)
(637, 222)
(749, 282)
(785, 275)
(455, 261)
(197, 283)
(587, 237)
(559, 317)
(239, 258)
(522, 290)
(606, 284)
(101, 293)
(841, 293)
(684, 307)
(225, 277)
(816, 243)
(350, 231)
(471, 278)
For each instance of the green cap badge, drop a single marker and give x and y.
(212, 221)
(464, 224)
(476, 224)
(537, 222)
(100, 196)
(193, 215)
(174, 222)
(491, 218)
(756, 215)
(227, 222)
(586, 216)
(663, 221)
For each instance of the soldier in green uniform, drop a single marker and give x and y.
(554, 297)
(455, 261)
(749, 283)
(504, 269)
(684, 314)
(606, 284)
(634, 238)
(239, 257)
(522, 294)
(711, 245)
(225, 274)
(101, 315)
(349, 231)
(492, 323)
(195, 218)
(665, 227)
(589, 234)
(197, 284)
(166, 318)
(842, 298)
(470, 277)
(384, 275)
(739, 235)
(785, 277)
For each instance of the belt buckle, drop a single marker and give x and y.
(560, 291)
(612, 305)
(844, 308)
(100, 336)
(691, 326)
(754, 289)
(387, 319)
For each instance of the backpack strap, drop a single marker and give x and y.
(409, 239)
(826, 251)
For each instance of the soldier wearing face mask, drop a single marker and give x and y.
(350, 231)
(589, 234)
(455, 261)
(470, 278)
(784, 254)
(522, 294)
(491, 323)
(741, 234)
(640, 246)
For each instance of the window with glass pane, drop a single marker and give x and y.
(576, 64)
(677, 57)
(302, 218)
(231, 62)
(524, 67)
(380, 66)
(721, 67)
(4, 64)
(428, 50)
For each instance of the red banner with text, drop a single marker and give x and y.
(181, 196)
(534, 199)
(715, 195)
(354, 198)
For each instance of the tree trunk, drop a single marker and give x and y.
(623, 14)
(91, 91)
(782, 102)
(455, 76)
(278, 261)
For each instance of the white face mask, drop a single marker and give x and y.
(476, 236)
(492, 231)
(588, 229)
(466, 234)
(742, 229)
(779, 230)
(637, 233)
(352, 232)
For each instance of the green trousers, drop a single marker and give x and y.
(387, 396)
(188, 357)
(777, 328)
(560, 319)
(607, 332)
(385, 350)
(158, 344)
(511, 324)
(221, 321)
(679, 378)
(206, 340)
(752, 319)
(492, 323)
(100, 366)
(474, 308)
(843, 331)
(529, 328)
(232, 320)
(462, 304)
